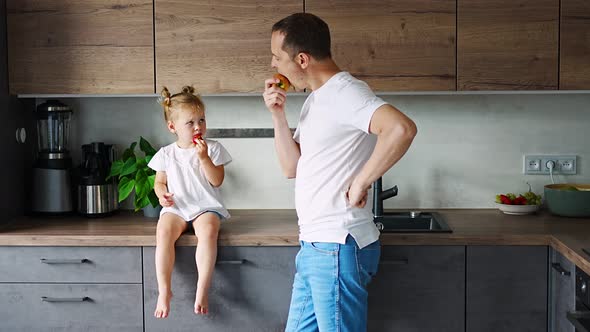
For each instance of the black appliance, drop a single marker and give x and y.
(97, 196)
(52, 189)
(581, 317)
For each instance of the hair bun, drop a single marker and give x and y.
(188, 89)
(164, 97)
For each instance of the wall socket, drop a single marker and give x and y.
(538, 164)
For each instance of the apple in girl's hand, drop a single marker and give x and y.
(196, 137)
(284, 82)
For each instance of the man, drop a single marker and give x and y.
(346, 139)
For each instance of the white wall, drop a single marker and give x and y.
(468, 148)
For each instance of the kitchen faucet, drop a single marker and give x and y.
(379, 196)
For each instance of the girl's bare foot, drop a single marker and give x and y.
(163, 305)
(201, 303)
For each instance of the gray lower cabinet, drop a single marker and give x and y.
(419, 288)
(506, 288)
(562, 292)
(70, 289)
(71, 264)
(70, 307)
(251, 290)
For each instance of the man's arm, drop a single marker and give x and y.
(288, 150)
(395, 133)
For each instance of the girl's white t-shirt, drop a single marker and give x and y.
(193, 194)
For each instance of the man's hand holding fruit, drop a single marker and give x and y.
(275, 92)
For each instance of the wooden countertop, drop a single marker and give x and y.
(279, 228)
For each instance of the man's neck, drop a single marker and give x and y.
(320, 72)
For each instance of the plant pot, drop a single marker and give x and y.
(152, 212)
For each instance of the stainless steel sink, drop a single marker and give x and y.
(411, 222)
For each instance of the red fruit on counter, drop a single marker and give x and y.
(520, 200)
(196, 137)
(505, 200)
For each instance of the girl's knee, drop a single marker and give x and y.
(207, 232)
(169, 229)
(207, 226)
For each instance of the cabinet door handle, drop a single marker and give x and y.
(64, 299)
(232, 262)
(64, 261)
(557, 267)
(401, 261)
(576, 318)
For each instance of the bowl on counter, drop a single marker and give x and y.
(517, 210)
(568, 199)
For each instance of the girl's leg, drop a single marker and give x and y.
(206, 228)
(169, 229)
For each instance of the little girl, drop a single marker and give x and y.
(188, 174)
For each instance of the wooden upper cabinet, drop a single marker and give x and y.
(574, 71)
(393, 45)
(216, 46)
(507, 44)
(80, 47)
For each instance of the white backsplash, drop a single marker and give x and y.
(468, 148)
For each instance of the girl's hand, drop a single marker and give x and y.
(166, 200)
(201, 149)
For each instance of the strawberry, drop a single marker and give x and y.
(520, 200)
(505, 200)
(196, 137)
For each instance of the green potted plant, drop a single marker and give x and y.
(133, 173)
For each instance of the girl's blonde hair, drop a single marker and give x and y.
(187, 97)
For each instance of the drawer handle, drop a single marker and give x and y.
(64, 261)
(230, 262)
(64, 299)
(557, 267)
(401, 261)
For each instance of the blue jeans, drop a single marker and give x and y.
(330, 286)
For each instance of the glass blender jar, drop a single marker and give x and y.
(52, 189)
(53, 129)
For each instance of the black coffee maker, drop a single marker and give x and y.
(96, 195)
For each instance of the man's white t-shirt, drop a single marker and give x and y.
(193, 194)
(335, 142)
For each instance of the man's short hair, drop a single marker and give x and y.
(307, 33)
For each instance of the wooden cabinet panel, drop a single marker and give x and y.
(80, 47)
(217, 46)
(393, 45)
(507, 44)
(574, 49)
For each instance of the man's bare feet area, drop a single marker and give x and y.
(201, 302)
(163, 305)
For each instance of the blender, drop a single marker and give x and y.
(52, 189)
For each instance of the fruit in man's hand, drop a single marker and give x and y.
(197, 137)
(284, 82)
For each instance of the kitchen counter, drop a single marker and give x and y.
(279, 228)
